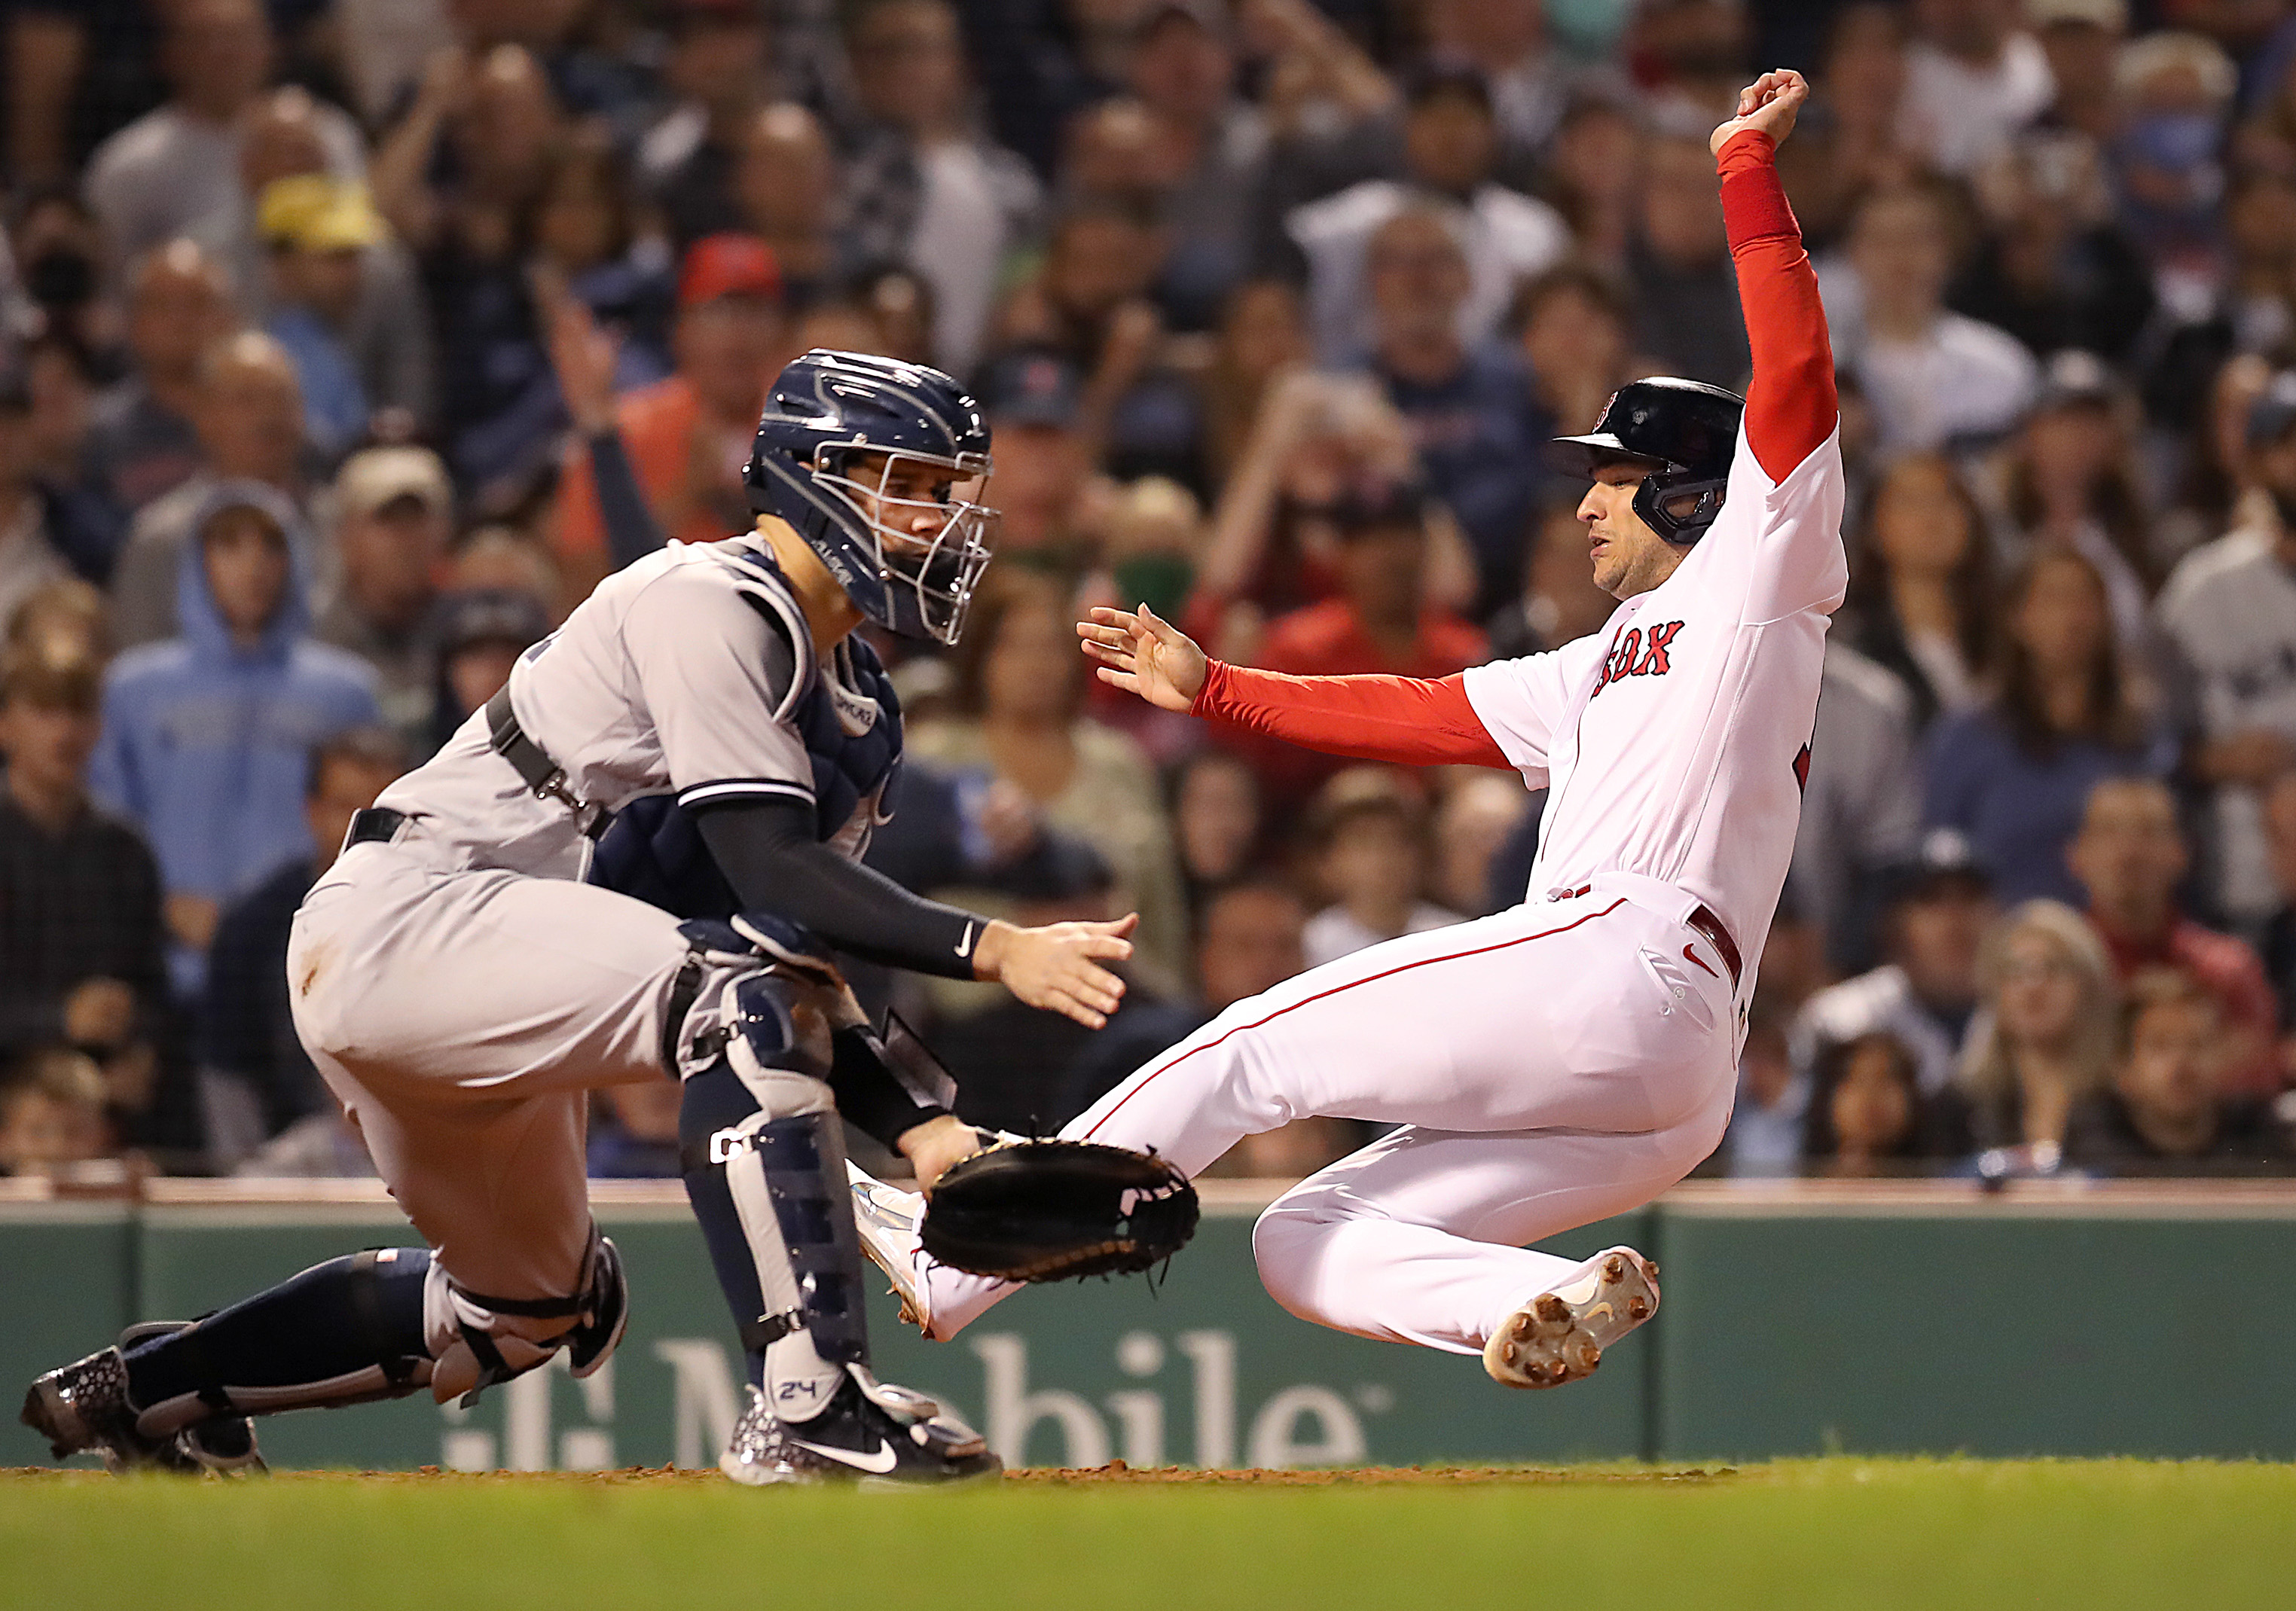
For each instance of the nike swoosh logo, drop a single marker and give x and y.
(965, 945)
(883, 1460)
(1693, 956)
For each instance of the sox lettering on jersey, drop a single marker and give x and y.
(1636, 655)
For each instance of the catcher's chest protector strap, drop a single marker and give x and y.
(545, 777)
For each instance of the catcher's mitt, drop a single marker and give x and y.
(1053, 1211)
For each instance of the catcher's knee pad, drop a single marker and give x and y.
(476, 1339)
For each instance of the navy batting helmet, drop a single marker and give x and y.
(1686, 433)
(828, 409)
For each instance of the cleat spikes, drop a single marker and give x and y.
(1560, 1334)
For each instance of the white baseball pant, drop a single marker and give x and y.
(462, 1016)
(1552, 1065)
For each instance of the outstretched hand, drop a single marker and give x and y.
(1058, 967)
(1146, 655)
(1769, 104)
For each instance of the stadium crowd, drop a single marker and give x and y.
(346, 343)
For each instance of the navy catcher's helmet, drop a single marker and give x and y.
(1685, 432)
(828, 409)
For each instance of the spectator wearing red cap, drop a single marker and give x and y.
(689, 435)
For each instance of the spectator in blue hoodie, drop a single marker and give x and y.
(207, 735)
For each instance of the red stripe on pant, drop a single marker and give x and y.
(1520, 939)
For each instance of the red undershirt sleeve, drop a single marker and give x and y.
(1790, 405)
(1404, 720)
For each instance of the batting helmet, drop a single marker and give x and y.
(1686, 433)
(826, 410)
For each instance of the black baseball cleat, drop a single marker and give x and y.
(83, 1408)
(870, 1433)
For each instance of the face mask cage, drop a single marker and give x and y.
(928, 551)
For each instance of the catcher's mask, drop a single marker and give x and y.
(880, 468)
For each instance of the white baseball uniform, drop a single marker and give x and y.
(1570, 1058)
(461, 990)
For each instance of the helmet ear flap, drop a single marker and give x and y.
(1679, 508)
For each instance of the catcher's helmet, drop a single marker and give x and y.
(828, 408)
(1683, 431)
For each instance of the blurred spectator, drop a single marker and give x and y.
(787, 190)
(1764, 1137)
(1501, 235)
(254, 1078)
(1922, 596)
(1506, 43)
(248, 411)
(51, 1112)
(589, 236)
(1573, 324)
(1591, 177)
(1020, 689)
(1263, 335)
(175, 171)
(80, 935)
(1478, 813)
(478, 633)
(1860, 805)
(1035, 405)
(394, 513)
(1151, 536)
(1973, 78)
(1218, 825)
(2279, 947)
(2130, 857)
(317, 230)
(1464, 404)
(1248, 941)
(2174, 89)
(1368, 841)
(2067, 481)
(2046, 1038)
(1934, 378)
(2081, 38)
(2230, 610)
(207, 736)
(1939, 912)
(65, 620)
(925, 189)
(638, 1140)
(688, 437)
(2051, 268)
(1850, 137)
(2013, 774)
(1867, 1115)
(719, 69)
(1560, 602)
(1684, 290)
(2165, 1112)
(142, 442)
(1381, 620)
(1209, 150)
(58, 247)
(32, 551)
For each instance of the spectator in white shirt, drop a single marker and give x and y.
(1973, 78)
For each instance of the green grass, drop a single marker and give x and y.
(1845, 1532)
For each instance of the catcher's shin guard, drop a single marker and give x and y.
(763, 1162)
(343, 1332)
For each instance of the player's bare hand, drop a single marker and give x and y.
(1769, 104)
(933, 1145)
(1144, 654)
(1058, 967)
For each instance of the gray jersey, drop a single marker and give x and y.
(662, 681)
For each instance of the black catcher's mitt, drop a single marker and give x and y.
(1053, 1211)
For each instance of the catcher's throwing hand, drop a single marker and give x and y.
(1769, 104)
(1053, 1211)
(1144, 654)
(1057, 967)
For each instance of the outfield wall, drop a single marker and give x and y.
(1797, 1319)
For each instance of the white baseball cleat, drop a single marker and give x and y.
(887, 1218)
(1560, 1334)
